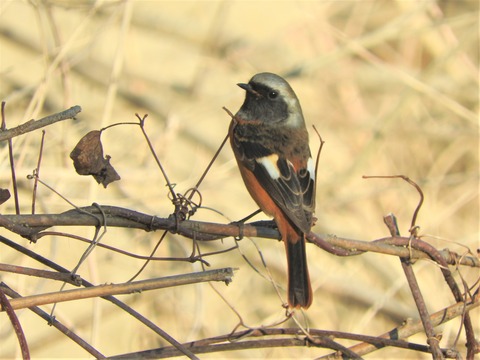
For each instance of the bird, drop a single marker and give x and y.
(270, 142)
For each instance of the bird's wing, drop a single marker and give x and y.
(290, 183)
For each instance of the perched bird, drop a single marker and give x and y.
(270, 143)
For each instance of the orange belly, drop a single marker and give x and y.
(268, 206)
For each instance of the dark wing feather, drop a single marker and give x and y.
(293, 191)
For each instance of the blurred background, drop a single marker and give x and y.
(391, 86)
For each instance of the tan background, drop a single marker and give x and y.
(390, 85)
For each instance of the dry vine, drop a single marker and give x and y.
(101, 217)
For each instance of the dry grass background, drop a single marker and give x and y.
(392, 86)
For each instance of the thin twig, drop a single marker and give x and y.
(411, 182)
(83, 257)
(56, 324)
(12, 161)
(412, 327)
(150, 257)
(5, 304)
(197, 185)
(152, 150)
(130, 254)
(184, 206)
(45, 274)
(110, 298)
(317, 160)
(37, 172)
(435, 255)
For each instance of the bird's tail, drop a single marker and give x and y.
(299, 287)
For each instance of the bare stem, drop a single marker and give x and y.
(37, 124)
(432, 340)
(224, 275)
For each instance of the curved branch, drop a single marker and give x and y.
(242, 340)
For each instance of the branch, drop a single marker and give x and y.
(37, 124)
(45, 274)
(236, 341)
(224, 275)
(434, 342)
(5, 304)
(412, 327)
(56, 324)
(30, 226)
(21, 249)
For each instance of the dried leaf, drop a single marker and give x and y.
(4, 195)
(88, 159)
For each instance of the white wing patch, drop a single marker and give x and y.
(311, 168)
(270, 164)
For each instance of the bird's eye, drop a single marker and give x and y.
(272, 95)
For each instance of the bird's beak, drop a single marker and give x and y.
(248, 88)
